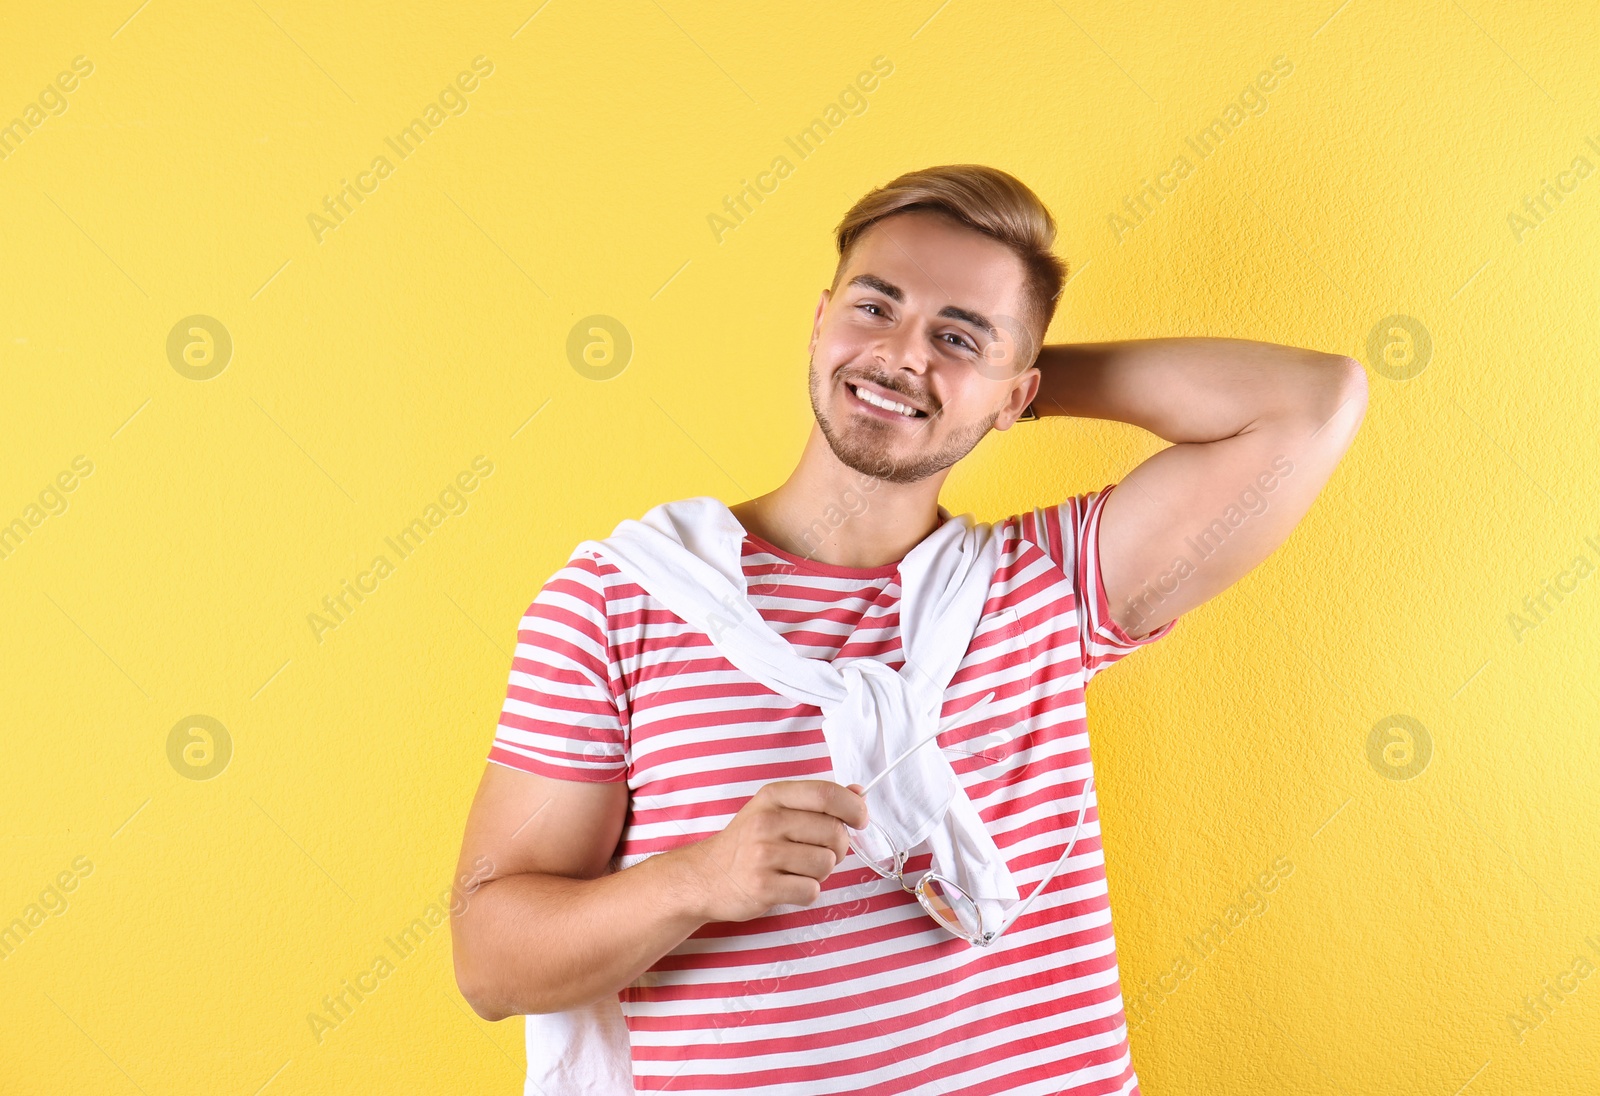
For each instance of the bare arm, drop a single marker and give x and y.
(1259, 429)
(545, 928)
(548, 928)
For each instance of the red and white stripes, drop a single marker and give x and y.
(860, 992)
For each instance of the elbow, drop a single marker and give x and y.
(1338, 401)
(475, 979)
(483, 1007)
(476, 993)
(1352, 378)
(486, 1011)
(484, 986)
(1352, 389)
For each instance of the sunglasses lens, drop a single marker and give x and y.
(875, 849)
(949, 905)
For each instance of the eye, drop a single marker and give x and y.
(963, 343)
(869, 304)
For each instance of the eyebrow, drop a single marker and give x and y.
(894, 293)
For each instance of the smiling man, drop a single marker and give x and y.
(674, 901)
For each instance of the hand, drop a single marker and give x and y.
(777, 849)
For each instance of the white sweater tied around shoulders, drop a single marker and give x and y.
(688, 556)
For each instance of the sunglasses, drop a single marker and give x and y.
(945, 901)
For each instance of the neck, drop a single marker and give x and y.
(829, 512)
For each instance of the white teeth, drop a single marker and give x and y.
(887, 405)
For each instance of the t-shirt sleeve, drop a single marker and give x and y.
(1070, 533)
(562, 717)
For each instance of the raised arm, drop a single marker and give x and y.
(1257, 430)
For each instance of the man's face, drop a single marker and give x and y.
(927, 316)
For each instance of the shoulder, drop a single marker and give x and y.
(585, 597)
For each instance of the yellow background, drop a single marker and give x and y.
(370, 368)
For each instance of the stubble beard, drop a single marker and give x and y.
(864, 450)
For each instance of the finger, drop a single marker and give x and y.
(848, 805)
(823, 796)
(797, 890)
(815, 828)
(860, 793)
(808, 860)
(841, 842)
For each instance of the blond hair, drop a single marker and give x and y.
(986, 200)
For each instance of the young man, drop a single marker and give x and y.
(744, 942)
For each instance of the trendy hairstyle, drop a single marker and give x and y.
(986, 200)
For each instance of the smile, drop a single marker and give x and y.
(872, 399)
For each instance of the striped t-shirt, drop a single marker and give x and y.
(861, 992)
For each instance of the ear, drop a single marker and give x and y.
(816, 321)
(1023, 390)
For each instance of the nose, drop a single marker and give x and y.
(905, 346)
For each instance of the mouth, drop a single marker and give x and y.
(882, 404)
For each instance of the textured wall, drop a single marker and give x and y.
(250, 796)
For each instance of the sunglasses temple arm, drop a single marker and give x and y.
(959, 717)
(1083, 809)
(899, 759)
